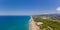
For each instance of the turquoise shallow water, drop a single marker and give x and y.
(14, 22)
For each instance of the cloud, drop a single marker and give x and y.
(58, 9)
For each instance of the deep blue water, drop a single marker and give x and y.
(14, 22)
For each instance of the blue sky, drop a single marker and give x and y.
(28, 7)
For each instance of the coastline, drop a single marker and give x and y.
(32, 24)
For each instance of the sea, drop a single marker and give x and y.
(14, 22)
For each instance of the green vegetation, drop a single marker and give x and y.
(46, 22)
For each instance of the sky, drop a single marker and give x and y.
(29, 7)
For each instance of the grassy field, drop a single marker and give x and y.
(46, 22)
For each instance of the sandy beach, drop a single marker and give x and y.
(32, 25)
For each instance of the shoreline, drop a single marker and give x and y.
(32, 24)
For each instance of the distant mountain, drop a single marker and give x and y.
(51, 16)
